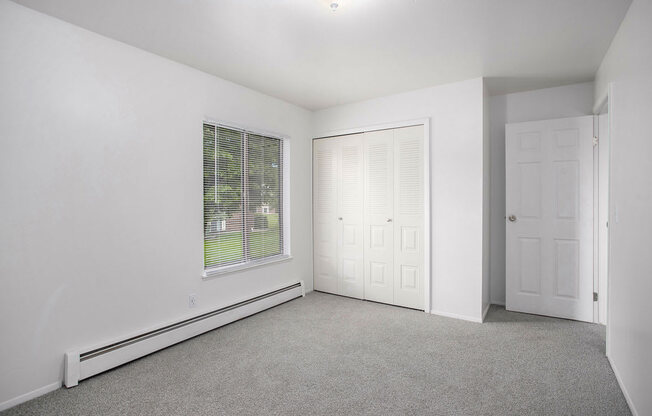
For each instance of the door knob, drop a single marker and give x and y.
(512, 218)
(339, 218)
(389, 220)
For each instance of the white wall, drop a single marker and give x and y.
(628, 65)
(101, 184)
(559, 102)
(456, 157)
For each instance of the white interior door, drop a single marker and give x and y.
(408, 217)
(379, 211)
(325, 223)
(350, 215)
(549, 169)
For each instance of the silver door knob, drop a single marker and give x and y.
(389, 220)
(339, 218)
(512, 218)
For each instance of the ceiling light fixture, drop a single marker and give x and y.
(334, 5)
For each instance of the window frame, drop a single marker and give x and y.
(285, 255)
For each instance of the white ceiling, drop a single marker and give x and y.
(300, 51)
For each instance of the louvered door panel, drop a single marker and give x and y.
(378, 213)
(408, 217)
(325, 224)
(350, 215)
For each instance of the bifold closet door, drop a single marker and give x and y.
(325, 222)
(350, 215)
(378, 216)
(368, 216)
(408, 217)
(338, 212)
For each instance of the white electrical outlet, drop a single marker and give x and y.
(192, 300)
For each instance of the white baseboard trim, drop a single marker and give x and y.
(485, 311)
(622, 387)
(457, 316)
(30, 395)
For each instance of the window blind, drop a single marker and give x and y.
(264, 197)
(243, 196)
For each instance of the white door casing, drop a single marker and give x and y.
(378, 216)
(549, 171)
(603, 216)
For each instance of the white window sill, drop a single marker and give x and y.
(221, 271)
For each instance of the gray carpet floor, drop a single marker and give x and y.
(330, 355)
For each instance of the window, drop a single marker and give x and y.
(243, 198)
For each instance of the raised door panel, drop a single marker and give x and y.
(408, 217)
(325, 224)
(378, 213)
(350, 215)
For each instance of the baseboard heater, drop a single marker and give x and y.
(88, 362)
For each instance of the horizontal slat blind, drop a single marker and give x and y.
(243, 196)
(223, 196)
(263, 215)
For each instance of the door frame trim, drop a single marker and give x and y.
(596, 218)
(427, 231)
(607, 102)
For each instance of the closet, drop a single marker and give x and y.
(368, 215)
